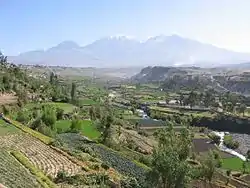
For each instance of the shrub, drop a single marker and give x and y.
(61, 177)
(22, 117)
(49, 116)
(230, 143)
(95, 167)
(130, 182)
(46, 131)
(76, 125)
(6, 111)
(105, 166)
(145, 160)
(143, 133)
(59, 113)
(215, 138)
(248, 154)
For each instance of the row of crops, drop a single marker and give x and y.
(107, 155)
(13, 174)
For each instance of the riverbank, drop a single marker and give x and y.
(222, 147)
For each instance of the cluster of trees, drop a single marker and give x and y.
(230, 143)
(206, 99)
(16, 79)
(229, 102)
(170, 166)
(104, 117)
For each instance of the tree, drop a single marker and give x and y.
(248, 154)
(92, 113)
(76, 125)
(228, 176)
(59, 113)
(107, 122)
(181, 99)
(73, 91)
(169, 166)
(209, 98)
(208, 167)
(242, 109)
(22, 117)
(191, 100)
(244, 166)
(49, 117)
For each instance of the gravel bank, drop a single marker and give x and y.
(244, 140)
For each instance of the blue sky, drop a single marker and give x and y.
(31, 25)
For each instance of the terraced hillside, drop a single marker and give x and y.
(42, 156)
(13, 174)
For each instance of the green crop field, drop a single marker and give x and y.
(65, 106)
(6, 129)
(87, 128)
(87, 101)
(13, 174)
(234, 164)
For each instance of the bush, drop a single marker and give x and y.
(130, 182)
(49, 116)
(61, 177)
(5, 110)
(46, 131)
(215, 138)
(230, 143)
(59, 113)
(143, 133)
(76, 125)
(105, 166)
(145, 160)
(95, 167)
(22, 117)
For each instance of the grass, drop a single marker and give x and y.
(7, 129)
(87, 128)
(235, 164)
(65, 106)
(87, 101)
(41, 178)
(131, 116)
(45, 139)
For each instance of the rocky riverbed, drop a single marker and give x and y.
(244, 141)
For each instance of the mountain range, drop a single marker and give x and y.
(122, 51)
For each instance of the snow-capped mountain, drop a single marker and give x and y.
(125, 51)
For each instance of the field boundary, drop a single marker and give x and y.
(45, 139)
(40, 177)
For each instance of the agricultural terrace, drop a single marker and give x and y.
(13, 174)
(235, 164)
(40, 155)
(66, 107)
(87, 128)
(181, 111)
(7, 129)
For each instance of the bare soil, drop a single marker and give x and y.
(7, 99)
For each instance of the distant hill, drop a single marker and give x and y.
(124, 52)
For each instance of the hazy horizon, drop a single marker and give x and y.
(31, 25)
